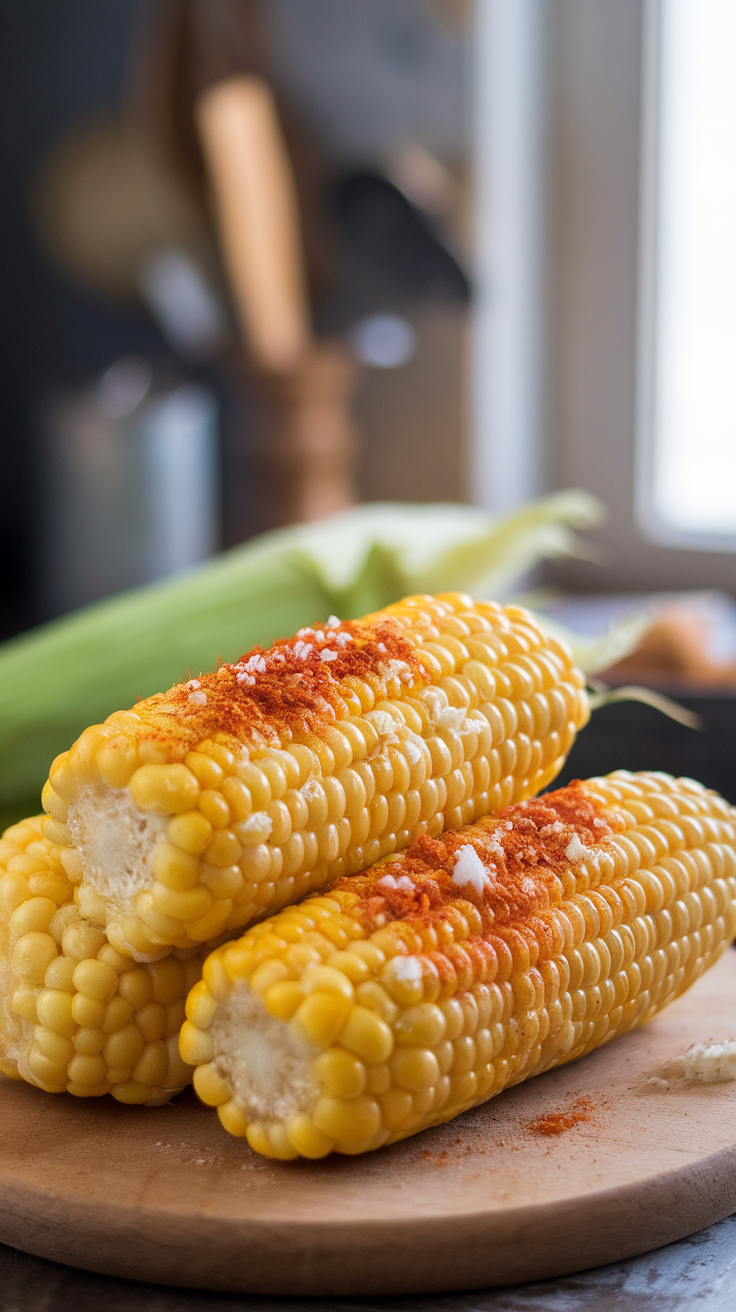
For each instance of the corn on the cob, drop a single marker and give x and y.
(210, 805)
(75, 1014)
(438, 978)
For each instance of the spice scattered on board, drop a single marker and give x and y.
(558, 1122)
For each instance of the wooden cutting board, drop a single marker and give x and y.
(165, 1195)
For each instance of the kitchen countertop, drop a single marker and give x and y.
(699, 1272)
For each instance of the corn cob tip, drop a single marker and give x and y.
(77, 1015)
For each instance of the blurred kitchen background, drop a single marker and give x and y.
(487, 253)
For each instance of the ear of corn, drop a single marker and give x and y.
(77, 669)
(437, 979)
(75, 1014)
(208, 806)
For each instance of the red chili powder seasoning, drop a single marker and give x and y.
(558, 1122)
(517, 859)
(296, 686)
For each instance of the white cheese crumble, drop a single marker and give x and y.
(407, 968)
(193, 683)
(333, 622)
(706, 1063)
(452, 718)
(328, 655)
(199, 698)
(399, 670)
(390, 881)
(256, 829)
(469, 869)
(383, 723)
(575, 851)
(302, 650)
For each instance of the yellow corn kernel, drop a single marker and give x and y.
(55, 1047)
(151, 1021)
(87, 1011)
(131, 1092)
(326, 979)
(210, 1086)
(347, 1119)
(208, 773)
(223, 881)
(214, 808)
(233, 1119)
(176, 869)
(182, 906)
(87, 1070)
(200, 1005)
(423, 1024)
(263, 978)
(136, 986)
(367, 1036)
(32, 955)
(195, 1046)
(62, 779)
(152, 1065)
(414, 1068)
(54, 1010)
(397, 1108)
(208, 925)
(306, 1138)
(191, 832)
(34, 915)
(321, 1017)
(339, 1073)
(164, 789)
(60, 975)
(167, 980)
(82, 940)
(24, 1004)
(124, 1047)
(116, 1015)
(96, 980)
(49, 1074)
(283, 999)
(117, 760)
(89, 1042)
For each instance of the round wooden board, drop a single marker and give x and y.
(165, 1195)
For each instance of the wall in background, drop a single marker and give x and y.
(369, 75)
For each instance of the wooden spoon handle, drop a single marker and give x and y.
(258, 218)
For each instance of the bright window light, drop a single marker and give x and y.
(689, 417)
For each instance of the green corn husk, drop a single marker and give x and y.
(76, 670)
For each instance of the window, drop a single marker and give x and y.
(687, 471)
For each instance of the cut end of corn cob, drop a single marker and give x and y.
(441, 977)
(75, 1014)
(238, 792)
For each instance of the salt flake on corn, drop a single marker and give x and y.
(469, 869)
